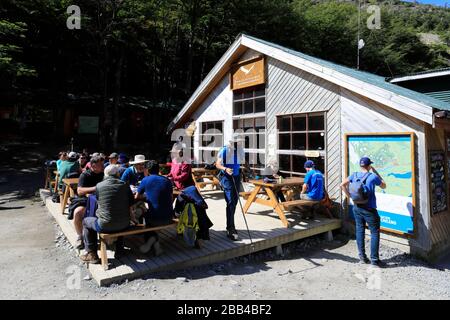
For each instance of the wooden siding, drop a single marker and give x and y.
(291, 90)
(440, 222)
(359, 114)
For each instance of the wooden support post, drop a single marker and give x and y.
(103, 254)
(328, 236)
(279, 250)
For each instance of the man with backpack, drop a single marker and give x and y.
(360, 187)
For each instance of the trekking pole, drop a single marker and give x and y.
(243, 214)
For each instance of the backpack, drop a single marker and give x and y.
(188, 224)
(358, 190)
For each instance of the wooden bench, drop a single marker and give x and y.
(106, 238)
(325, 203)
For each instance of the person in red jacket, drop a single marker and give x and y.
(180, 171)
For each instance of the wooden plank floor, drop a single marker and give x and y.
(265, 227)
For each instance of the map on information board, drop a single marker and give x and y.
(392, 158)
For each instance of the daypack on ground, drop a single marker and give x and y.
(358, 189)
(188, 224)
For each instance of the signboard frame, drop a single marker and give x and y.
(411, 135)
(235, 67)
(445, 164)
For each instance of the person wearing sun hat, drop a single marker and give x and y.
(135, 173)
(366, 212)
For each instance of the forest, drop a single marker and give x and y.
(158, 51)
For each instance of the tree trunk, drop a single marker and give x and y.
(117, 97)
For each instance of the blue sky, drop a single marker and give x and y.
(435, 2)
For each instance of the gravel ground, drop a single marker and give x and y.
(37, 262)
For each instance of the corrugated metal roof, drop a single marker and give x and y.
(440, 95)
(366, 77)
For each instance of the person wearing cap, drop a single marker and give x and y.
(68, 168)
(367, 212)
(313, 183)
(112, 159)
(114, 200)
(86, 185)
(135, 173)
(229, 159)
(123, 162)
(180, 171)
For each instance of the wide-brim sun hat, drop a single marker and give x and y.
(139, 158)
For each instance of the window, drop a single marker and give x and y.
(298, 133)
(211, 139)
(249, 106)
(249, 100)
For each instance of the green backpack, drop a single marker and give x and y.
(188, 224)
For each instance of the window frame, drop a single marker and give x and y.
(291, 152)
(201, 135)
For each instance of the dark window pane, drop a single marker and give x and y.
(248, 94)
(260, 92)
(320, 163)
(284, 162)
(316, 123)
(237, 95)
(260, 105)
(251, 141)
(206, 140)
(219, 126)
(284, 123)
(284, 141)
(237, 108)
(248, 106)
(204, 127)
(299, 141)
(316, 141)
(298, 163)
(261, 160)
(299, 123)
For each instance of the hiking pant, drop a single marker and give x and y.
(90, 229)
(371, 217)
(149, 222)
(231, 197)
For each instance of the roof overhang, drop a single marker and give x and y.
(421, 76)
(401, 103)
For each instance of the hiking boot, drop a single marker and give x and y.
(90, 257)
(378, 264)
(79, 244)
(145, 248)
(157, 249)
(364, 260)
(233, 235)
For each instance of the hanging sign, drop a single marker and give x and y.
(247, 74)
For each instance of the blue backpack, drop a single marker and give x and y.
(358, 190)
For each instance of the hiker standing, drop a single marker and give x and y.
(360, 187)
(228, 162)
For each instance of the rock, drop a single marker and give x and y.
(182, 279)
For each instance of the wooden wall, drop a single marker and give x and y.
(440, 222)
(359, 114)
(291, 90)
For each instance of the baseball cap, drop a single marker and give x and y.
(113, 155)
(72, 155)
(365, 161)
(309, 164)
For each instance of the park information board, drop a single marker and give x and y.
(88, 125)
(393, 157)
(438, 182)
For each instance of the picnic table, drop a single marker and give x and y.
(270, 189)
(56, 173)
(199, 174)
(70, 185)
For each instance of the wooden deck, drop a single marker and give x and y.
(266, 230)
